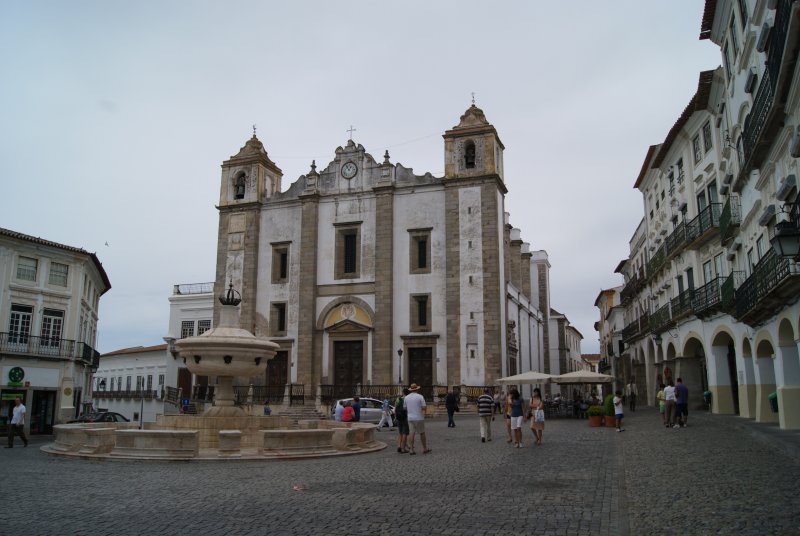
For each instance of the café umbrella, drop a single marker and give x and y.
(583, 376)
(526, 377)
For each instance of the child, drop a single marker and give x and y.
(618, 410)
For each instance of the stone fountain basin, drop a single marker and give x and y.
(226, 352)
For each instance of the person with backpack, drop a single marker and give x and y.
(401, 416)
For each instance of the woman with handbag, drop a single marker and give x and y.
(537, 416)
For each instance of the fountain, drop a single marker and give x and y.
(223, 431)
(226, 351)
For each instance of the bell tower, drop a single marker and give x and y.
(474, 225)
(472, 148)
(248, 179)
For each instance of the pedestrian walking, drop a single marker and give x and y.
(499, 398)
(681, 404)
(537, 416)
(507, 417)
(486, 414)
(356, 405)
(415, 405)
(632, 392)
(17, 424)
(618, 414)
(517, 416)
(386, 415)
(669, 400)
(401, 414)
(451, 404)
(662, 403)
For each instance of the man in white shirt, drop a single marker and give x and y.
(415, 405)
(669, 398)
(17, 424)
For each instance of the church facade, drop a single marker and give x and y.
(365, 273)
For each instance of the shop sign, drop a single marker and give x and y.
(15, 377)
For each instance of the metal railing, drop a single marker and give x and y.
(728, 291)
(147, 394)
(657, 261)
(193, 288)
(708, 298)
(203, 393)
(757, 121)
(730, 217)
(707, 220)
(661, 318)
(682, 303)
(767, 275)
(25, 344)
(242, 394)
(676, 239)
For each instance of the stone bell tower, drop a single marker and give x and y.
(474, 222)
(248, 179)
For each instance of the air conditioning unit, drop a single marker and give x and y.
(750, 84)
(794, 148)
(728, 179)
(763, 37)
(682, 206)
(723, 190)
(785, 188)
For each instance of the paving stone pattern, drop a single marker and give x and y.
(714, 477)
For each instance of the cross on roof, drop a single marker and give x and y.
(351, 130)
(473, 98)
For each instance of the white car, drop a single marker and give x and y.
(371, 409)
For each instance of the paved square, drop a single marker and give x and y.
(713, 477)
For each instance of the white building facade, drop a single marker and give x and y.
(49, 309)
(715, 302)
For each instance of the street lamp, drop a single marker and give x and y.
(786, 240)
(400, 366)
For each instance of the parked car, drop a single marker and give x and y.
(371, 409)
(101, 416)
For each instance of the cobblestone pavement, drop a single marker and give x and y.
(713, 477)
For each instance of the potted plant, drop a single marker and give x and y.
(608, 411)
(595, 414)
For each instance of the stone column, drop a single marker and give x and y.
(382, 350)
(307, 360)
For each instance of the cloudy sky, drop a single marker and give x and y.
(116, 116)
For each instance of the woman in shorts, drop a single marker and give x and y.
(517, 415)
(537, 416)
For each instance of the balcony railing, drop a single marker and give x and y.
(242, 394)
(730, 218)
(661, 319)
(774, 282)
(699, 228)
(708, 298)
(762, 115)
(657, 261)
(682, 304)
(632, 287)
(193, 288)
(728, 291)
(48, 347)
(676, 240)
(135, 394)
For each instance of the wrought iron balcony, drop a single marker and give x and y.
(701, 228)
(657, 261)
(633, 286)
(661, 319)
(761, 124)
(708, 298)
(676, 241)
(682, 304)
(136, 394)
(775, 282)
(47, 347)
(730, 218)
(728, 291)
